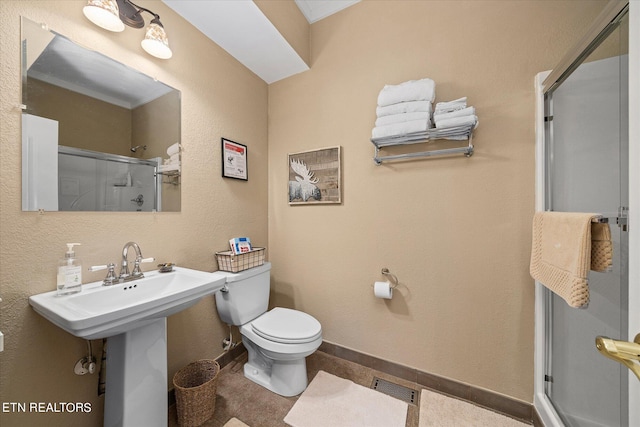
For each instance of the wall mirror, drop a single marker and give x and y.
(97, 135)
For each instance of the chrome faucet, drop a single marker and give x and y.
(124, 276)
(124, 267)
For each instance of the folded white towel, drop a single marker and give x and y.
(167, 168)
(413, 90)
(458, 121)
(398, 129)
(401, 118)
(404, 107)
(456, 104)
(173, 149)
(469, 111)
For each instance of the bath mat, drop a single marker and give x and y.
(336, 402)
(438, 410)
(234, 422)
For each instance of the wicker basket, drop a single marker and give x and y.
(195, 387)
(228, 261)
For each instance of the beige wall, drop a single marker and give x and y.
(455, 231)
(220, 97)
(84, 122)
(91, 124)
(155, 127)
(155, 130)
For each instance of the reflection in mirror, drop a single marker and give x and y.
(96, 134)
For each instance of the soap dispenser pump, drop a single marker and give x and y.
(69, 272)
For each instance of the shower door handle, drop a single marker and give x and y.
(625, 352)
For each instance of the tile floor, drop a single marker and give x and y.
(257, 407)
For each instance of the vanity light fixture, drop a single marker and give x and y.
(105, 14)
(155, 40)
(112, 15)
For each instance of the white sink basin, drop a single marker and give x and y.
(104, 311)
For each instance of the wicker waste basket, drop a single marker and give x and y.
(195, 387)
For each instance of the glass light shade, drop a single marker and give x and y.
(105, 14)
(156, 42)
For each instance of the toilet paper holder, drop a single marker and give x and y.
(392, 277)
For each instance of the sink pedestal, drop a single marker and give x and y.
(136, 384)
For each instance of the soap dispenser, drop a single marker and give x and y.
(69, 272)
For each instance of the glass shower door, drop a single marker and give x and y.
(587, 158)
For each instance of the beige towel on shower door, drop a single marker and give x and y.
(601, 247)
(561, 254)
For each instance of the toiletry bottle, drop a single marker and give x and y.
(69, 272)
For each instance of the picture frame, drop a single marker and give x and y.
(234, 160)
(315, 177)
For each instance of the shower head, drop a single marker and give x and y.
(134, 149)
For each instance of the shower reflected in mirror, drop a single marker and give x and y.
(94, 131)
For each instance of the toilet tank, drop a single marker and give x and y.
(247, 295)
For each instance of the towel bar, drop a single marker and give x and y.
(621, 219)
(613, 218)
(422, 137)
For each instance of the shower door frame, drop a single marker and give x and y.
(116, 158)
(542, 404)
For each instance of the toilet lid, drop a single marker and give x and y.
(287, 326)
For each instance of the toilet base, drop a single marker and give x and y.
(284, 377)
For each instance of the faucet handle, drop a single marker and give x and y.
(137, 273)
(111, 273)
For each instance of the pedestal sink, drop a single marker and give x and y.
(133, 316)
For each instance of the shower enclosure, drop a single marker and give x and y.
(587, 150)
(61, 178)
(92, 181)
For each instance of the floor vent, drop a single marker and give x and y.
(403, 393)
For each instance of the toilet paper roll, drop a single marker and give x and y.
(383, 290)
(173, 149)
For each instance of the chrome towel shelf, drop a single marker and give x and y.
(461, 133)
(173, 177)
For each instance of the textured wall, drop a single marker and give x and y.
(90, 131)
(220, 97)
(455, 231)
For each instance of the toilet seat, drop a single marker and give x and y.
(286, 326)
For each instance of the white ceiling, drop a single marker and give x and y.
(240, 28)
(68, 65)
(315, 10)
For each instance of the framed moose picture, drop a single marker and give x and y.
(314, 177)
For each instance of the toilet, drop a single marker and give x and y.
(278, 340)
